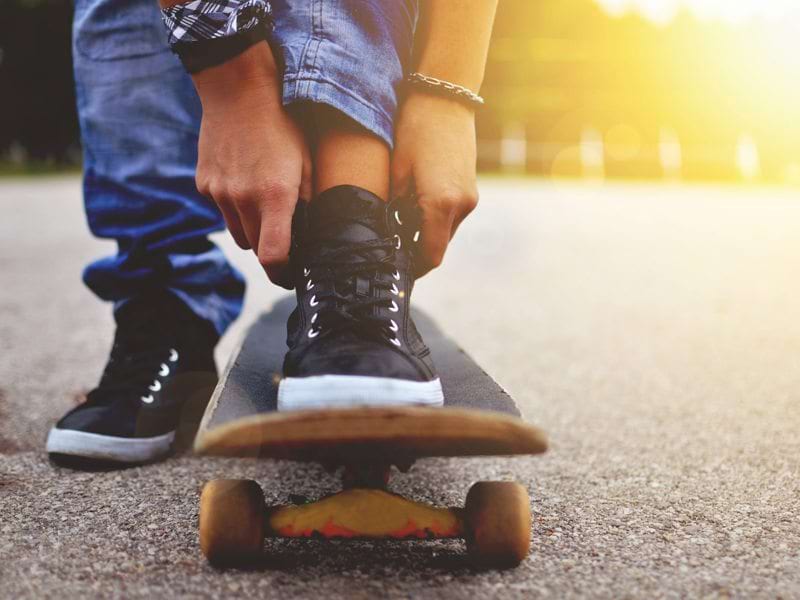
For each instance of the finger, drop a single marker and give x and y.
(307, 177)
(250, 219)
(402, 180)
(234, 225)
(275, 238)
(229, 214)
(437, 225)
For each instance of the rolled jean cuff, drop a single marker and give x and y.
(197, 56)
(350, 55)
(322, 91)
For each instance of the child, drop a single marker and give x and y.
(342, 105)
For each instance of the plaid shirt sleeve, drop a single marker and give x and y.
(201, 20)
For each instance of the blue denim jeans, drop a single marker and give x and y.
(140, 117)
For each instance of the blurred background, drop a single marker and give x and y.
(631, 277)
(646, 89)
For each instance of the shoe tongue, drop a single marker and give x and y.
(347, 214)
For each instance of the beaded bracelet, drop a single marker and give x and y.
(441, 86)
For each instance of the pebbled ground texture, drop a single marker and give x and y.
(653, 331)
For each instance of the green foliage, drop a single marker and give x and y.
(35, 3)
(557, 68)
(37, 105)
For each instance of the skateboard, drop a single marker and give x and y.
(478, 419)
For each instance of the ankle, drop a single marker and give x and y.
(348, 154)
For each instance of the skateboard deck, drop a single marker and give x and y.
(478, 417)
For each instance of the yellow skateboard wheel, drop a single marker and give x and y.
(497, 517)
(232, 521)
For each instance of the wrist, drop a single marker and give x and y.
(440, 87)
(464, 80)
(447, 66)
(421, 102)
(452, 40)
(253, 74)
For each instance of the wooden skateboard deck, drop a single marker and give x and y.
(478, 418)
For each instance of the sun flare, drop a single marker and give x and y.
(734, 12)
(744, 59)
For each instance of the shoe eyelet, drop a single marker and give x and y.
(416, 236)
(393, 325)
(156, 387)
(396, 342)
(313, 301)
(394, 307)
(173, 355)
(314, 318)
(397, 217)
(396, 275)
(148, 399)
(394, 290)
(398, 243)
(312, 333)
(306, 272)
(309, 285)
(164, 371)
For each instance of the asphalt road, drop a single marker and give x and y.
(653, 331)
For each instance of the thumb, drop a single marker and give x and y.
(402, 177)
(437, 225)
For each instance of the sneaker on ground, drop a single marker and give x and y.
(160, 373)
(352, 341)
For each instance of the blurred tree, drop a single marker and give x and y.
(37, 104)
(564, 82)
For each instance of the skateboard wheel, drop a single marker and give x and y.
(232, 521)
(497, 519)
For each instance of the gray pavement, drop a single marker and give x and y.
(653, 331)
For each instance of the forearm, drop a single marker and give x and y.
(251, 76)
(226, 68)
(453, 40)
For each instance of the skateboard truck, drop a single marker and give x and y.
(234, 519)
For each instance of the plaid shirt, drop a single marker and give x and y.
(200, 20)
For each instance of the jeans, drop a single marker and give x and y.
(140, 117)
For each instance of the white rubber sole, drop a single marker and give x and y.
(106, 447)
(347, 391)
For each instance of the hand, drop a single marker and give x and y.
(434, 158)
(253, 160)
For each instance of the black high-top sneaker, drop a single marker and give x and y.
(160, 373)
(351, 339)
